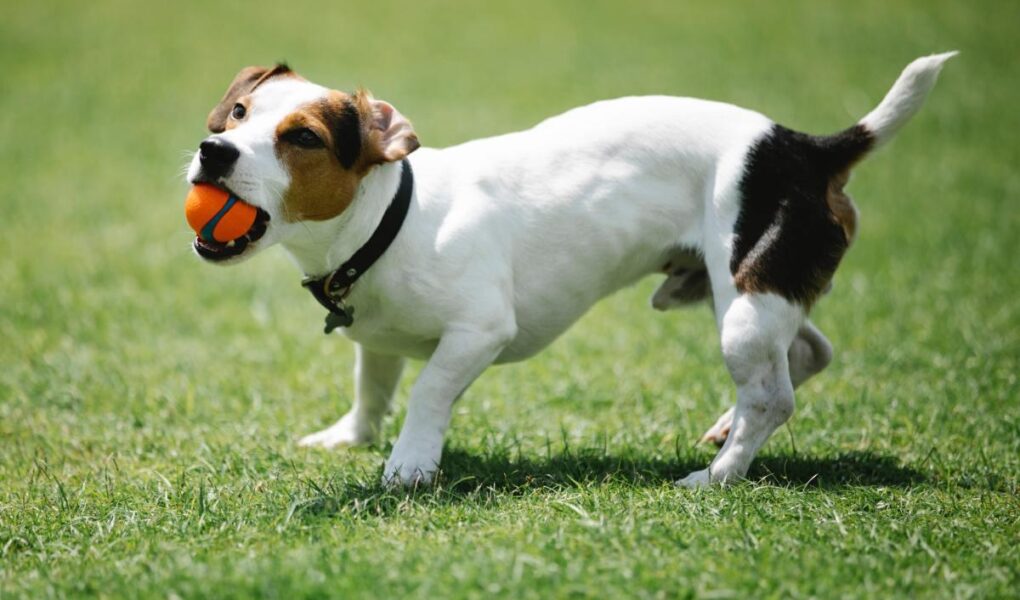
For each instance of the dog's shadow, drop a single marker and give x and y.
(465, 471)
(470, 477)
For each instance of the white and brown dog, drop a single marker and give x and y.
(493, 248)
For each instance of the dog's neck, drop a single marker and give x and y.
(321, 247)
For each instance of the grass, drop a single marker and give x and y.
(149, 404)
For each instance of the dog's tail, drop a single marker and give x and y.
(905, 98)
(901, 103)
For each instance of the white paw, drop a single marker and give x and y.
(348, 431)
(409, 468)
(696, 479)
(718, 433)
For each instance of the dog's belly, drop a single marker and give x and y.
(556, 285)
(538, 329)
(540, 323)
(544, 310)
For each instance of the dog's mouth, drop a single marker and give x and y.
(216, 251)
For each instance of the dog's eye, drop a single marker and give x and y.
(239, 111)
(303, 137)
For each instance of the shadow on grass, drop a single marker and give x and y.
(474, 478)
(466, 471)
(846, 469)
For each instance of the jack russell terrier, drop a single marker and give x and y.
(486, 252)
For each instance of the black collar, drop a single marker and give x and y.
(331, 289)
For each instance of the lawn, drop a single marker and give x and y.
(150, 404)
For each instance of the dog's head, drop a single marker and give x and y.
(295, 150)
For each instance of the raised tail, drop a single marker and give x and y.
(901, 103)
(905, 98)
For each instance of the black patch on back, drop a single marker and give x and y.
(787, 240)
(347, 135)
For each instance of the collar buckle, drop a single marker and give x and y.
(339, 314)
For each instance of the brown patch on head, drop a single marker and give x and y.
(355, 133)
(323, 179)
(244, 83)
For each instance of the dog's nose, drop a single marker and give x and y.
(217, 156)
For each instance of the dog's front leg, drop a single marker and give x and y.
(375, 379)
(460, 357)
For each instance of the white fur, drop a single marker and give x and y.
(510, 239)
(906, 96)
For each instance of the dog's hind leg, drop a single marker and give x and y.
(808, 355)
(757, 330)
(375, 379)
(683, 287)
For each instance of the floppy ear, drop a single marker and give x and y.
(243, 83)
(389, 131)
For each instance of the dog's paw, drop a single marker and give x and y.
(410, 469)
(718, 475)
(697, 479)
(408, 475)
(346, 432)
(718, 433)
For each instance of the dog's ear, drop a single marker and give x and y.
(244, 83)
(390, 134)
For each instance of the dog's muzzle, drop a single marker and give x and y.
(217, 157)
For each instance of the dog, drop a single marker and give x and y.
(486, 252)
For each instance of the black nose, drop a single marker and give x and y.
(217, 156)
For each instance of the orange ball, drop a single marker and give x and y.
(216, 215)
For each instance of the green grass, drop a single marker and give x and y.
(149, 404)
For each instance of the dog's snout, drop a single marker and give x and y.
(217, 156)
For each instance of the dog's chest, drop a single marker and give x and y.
(377, 336)
(389, 317)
